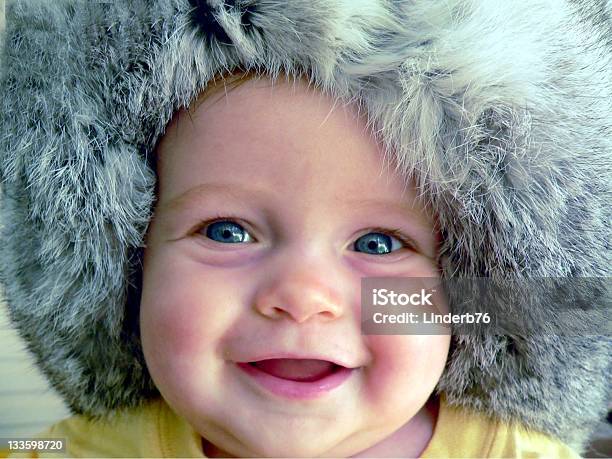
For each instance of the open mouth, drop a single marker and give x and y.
(296, 378)
(300, 370)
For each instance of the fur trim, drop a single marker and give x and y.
(500, 110)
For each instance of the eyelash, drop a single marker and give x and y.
(396, 233)
(407, 242)
(220, 218)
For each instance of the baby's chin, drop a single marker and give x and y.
(284, 446)
(277, 450)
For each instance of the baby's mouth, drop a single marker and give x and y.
(296, 379)
(300, 370)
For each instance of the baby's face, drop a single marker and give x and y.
(272, 207)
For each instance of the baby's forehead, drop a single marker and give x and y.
(265, 95)
(255, 107)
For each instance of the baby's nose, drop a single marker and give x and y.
(300, 299)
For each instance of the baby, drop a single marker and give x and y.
(273, 204)
(186, 228)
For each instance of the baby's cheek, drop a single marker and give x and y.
(178, 326)
(170, 317)
(174, 336)
(404, 369)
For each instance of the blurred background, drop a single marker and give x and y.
(27, 404)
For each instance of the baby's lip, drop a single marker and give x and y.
(340, 361)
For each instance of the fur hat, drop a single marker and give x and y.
(502, 111)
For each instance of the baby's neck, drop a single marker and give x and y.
(412, 438)
(211, 450)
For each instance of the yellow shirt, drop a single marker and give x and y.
(156, 431)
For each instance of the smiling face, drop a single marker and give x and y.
(273, 204)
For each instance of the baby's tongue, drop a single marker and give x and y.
(304, 370)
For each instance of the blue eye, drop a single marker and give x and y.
(227, 232)
(376, 244)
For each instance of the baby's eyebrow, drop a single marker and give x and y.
(194, 195)
(407, 208)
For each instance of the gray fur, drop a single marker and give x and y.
(501, 111)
